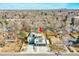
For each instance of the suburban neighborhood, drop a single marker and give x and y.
(39, 31)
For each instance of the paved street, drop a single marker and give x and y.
(37, 49)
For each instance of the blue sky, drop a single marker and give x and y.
(39, 5)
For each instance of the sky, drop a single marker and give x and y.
(39, 5)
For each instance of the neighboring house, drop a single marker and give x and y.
(8, 29)
(9, 39)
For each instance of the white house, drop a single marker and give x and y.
(40, 40)
(37, 39)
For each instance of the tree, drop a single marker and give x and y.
(25, 26)
(72, 21)
(23, 37)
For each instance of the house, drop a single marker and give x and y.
(7, 29)
(8, 39)
(37, 39)
(40, 40)
(31, 38)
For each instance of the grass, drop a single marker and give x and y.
(22, 34)
(55, 48)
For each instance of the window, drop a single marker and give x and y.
(40, 40)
